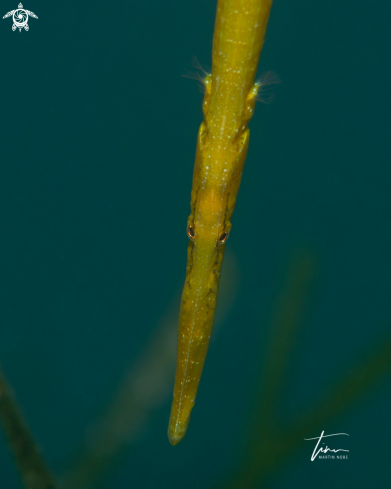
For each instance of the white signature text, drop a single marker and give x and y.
(326, 449)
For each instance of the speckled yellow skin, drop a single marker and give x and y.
(220, 156)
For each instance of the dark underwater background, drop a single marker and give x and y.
(98, 134)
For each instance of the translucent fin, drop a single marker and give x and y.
(200, 74)
(266, 84)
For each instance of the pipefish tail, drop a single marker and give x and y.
(223, 137)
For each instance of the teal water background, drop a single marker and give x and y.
(98, 134)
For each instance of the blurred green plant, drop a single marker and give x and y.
(31, 465)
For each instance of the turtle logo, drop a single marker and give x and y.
(20, 17)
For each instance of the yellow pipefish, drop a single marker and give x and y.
(230, 96)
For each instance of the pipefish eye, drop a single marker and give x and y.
(190, 232)
(223, 237)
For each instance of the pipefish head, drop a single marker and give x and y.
(198, 305)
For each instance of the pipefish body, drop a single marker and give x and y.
(223, 138)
